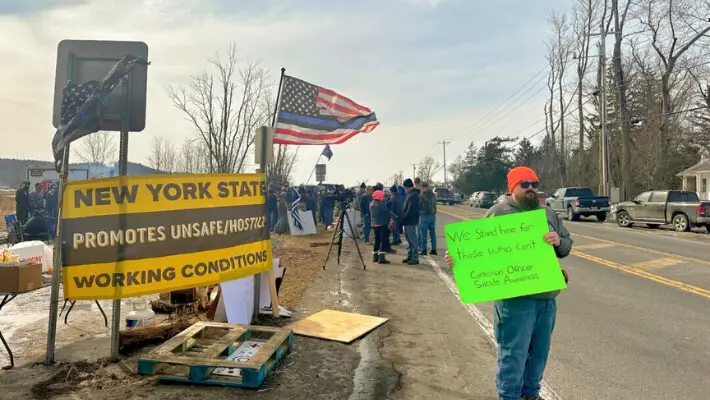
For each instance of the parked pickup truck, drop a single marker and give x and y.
(683, 210)
(578, 202)
(444, 195)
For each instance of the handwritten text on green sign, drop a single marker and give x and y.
(503, 257)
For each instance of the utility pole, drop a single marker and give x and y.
(443, 144)
(603, 134)
(602, 105)
(414, 170)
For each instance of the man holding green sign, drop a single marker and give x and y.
(512, 260)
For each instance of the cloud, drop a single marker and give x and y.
(428, 68)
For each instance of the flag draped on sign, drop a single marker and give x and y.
(312, 115)
(294, 211)
(327, 152)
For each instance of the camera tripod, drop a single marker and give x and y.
(339, 232)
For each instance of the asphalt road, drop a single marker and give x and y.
(634, 322)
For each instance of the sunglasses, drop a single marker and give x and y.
(526, 185)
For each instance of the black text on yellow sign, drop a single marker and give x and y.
(129, 236)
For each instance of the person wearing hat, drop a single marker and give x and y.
(410, 221)
(22, 202)
(524, 325)
(380, 216)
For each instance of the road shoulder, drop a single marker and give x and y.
(431, 341)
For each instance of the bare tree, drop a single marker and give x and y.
(225, 107)
(560, 50)
(396, 179)
(97, 148)
(583, 14)
(426, 168)
(193, 158)
(163, 156)
(280, 171)
(675, 27)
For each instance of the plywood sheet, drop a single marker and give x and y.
(336, 325)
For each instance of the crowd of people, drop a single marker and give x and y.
(387, 214)
(407, 210)
(36, 211)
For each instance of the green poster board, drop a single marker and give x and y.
(503, 257)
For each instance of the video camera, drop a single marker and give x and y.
(345, 196)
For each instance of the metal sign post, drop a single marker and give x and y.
(57, 263)
(81, 61)
(320, 173)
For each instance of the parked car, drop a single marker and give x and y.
(578, 202)
(543, 197)
(501, 198)
(683, 210)
(444, 195)
(484, 199)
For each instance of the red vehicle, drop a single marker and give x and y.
(542, 196)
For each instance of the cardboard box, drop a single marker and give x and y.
(20, 277)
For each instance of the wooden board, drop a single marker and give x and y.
(199, 351)
(336, 325)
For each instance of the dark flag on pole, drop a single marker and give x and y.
(83, 106)
(327, 152)
(312, 115)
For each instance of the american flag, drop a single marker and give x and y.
(312, 115)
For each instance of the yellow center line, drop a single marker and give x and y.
(646, 275)
(633, 270)
(594, 246)
(656, 264)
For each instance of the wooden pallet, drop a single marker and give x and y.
(195, 353)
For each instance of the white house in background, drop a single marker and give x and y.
(696, 178)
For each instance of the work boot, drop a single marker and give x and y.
(374, 256)
(433, 253)
(413, 262)
(422, 253)
(381, 259)
(405, 260)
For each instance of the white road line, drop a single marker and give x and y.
(546, 391)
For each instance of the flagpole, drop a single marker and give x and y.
(277, 106)
(262, 169)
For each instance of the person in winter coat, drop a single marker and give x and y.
(380, 216)
(282, 209)
(388, 202)
(427, 219)
(397, 208)
(410, 220)
(272, 203)
(22, 202)
(524, 325)
(365, 213)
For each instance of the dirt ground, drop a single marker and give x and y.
(314, 369)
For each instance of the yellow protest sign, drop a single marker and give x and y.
(135, 235)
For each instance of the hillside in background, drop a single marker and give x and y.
(13, 171)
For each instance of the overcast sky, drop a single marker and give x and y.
(430, 69)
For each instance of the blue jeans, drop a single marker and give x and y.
(410, 233)
(427, 225)
(273, 216)
(327, 214)
(523, 329)
(396, 239)
(366, 227)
